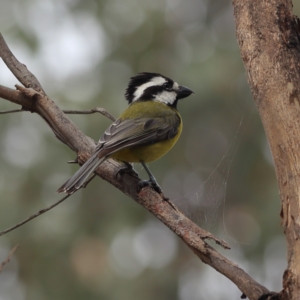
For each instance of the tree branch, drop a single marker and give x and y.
(189, 232)
(18, 98)
(40, 212)
(19, 70)
(7, 260)
(4, 112)
(100, 110)
(14, 96)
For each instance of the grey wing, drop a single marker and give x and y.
(134, 132)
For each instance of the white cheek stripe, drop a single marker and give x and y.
(166, 97)
(154, 81)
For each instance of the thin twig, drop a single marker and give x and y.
(74, 161)
(9, 256)
(100, 110)
(40, 212)
(75, 112)
(3, 112)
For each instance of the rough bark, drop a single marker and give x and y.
(268, 36)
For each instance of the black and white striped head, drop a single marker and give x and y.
(153, 86)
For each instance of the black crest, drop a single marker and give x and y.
(138, 80)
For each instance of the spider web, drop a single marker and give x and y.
(203, 196)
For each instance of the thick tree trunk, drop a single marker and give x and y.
(268, 36)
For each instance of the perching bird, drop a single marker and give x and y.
(147, 129)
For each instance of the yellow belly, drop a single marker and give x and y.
(147, 153)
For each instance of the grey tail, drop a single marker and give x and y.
(80, 177)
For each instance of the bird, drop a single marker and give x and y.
(146, 130)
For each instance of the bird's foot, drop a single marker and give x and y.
(157, 188)
(152, 183)
(128, 168)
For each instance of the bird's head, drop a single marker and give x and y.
(153, 86)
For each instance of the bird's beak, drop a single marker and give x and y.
(184, 92)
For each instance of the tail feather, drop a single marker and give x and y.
(80, 177)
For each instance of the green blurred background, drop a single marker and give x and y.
(100, 244)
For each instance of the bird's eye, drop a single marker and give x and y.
(168, 85)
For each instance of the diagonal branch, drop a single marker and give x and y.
(66, 131)
(9, 256)
(18, 69)
(40, 212)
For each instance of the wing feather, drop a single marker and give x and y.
(136, 132)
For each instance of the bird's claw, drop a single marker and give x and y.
(151, 183)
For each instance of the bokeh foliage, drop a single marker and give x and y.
(99, 244)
